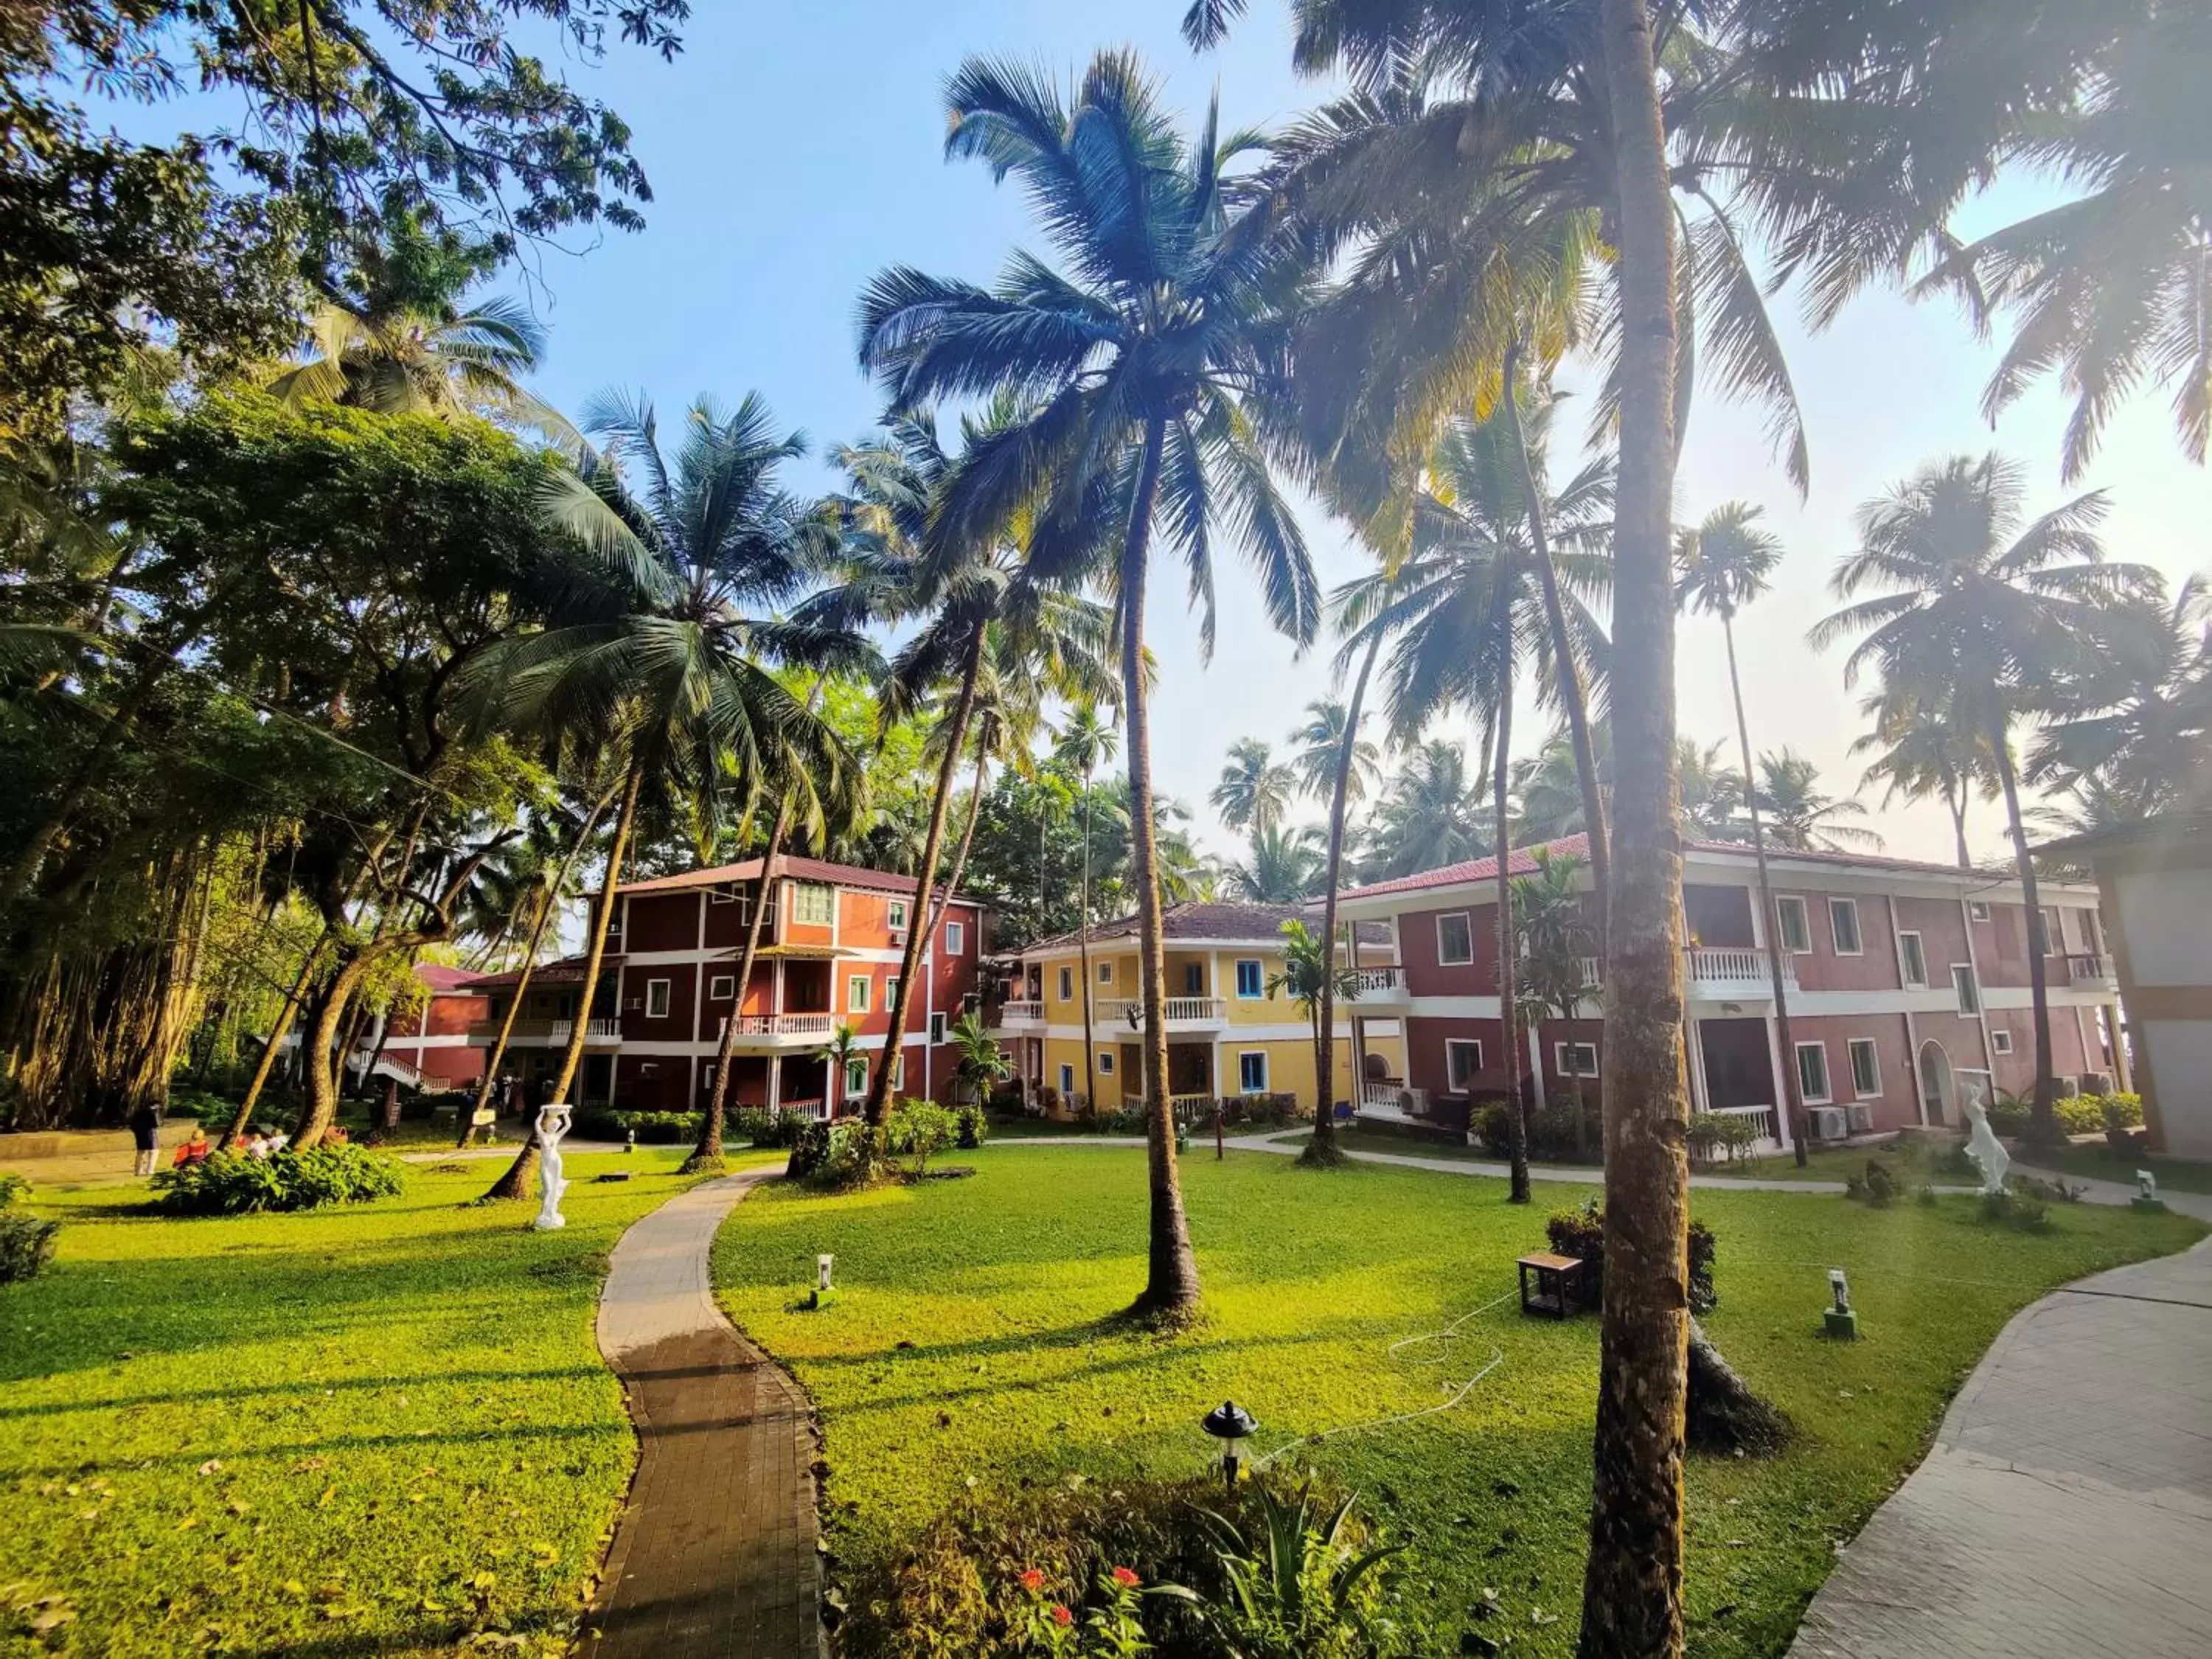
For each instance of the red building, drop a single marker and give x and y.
(1899, 975)
(830, 955)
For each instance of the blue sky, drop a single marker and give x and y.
(794, 151)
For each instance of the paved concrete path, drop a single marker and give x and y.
(2066, 1510)
(714, 1553)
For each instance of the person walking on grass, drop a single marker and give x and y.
(145, 1134)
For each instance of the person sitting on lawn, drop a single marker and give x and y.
(194, 1149)
(253, 1144)
(276, 1142)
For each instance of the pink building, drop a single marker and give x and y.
(1899, 976)
(830, 955)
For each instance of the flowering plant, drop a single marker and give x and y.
(1111, 1629)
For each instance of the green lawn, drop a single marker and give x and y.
(1825, 1163)
(2095, 1161)
(968, 1346)
(373, 1430)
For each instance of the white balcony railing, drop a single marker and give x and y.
(1381, 1091)
(1763, 1116)
(1735, 966)
(1593, 972)
(1128, 1013)
(785, 1024)
(595, 1031)
(1021, 1013)
(1378, 981)
(2094, 971)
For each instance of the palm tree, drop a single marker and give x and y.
(1312, 978)
(1975, 606)
(2135, 707)
(1086, 741)
(1723, 564)
(1255, 788)
(401, 362)
(1548, 790)
(673, 664)
(983, 1063)
(1712, 792)
(1806, 816)
(1551, 940)
(1922, 748)
(841, 1053)
(1430, 815)
(1142, 361)
(1322, 746)
(1285, 867)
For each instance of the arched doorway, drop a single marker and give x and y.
(1938, 1093)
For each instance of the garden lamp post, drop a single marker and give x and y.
(1840, 1319)
(1232, 1425)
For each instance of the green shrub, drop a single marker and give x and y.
(759, 1126)
(2120, 1110)
(2009, 1113)
(13, 1189)
(1581, 1234)
(27, 1244)
(652, 1128)
(920, 1129)
(1713, 1136)
(233, 1184)
(974, 1128)
(1551, 1131)
(834, 1156)
(2013, 1209)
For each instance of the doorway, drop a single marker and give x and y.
(1937, 1087)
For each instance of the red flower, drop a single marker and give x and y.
(1032, 1580)
(1126, 1579)
(1061, 1616)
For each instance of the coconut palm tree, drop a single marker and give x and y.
(1547, 791)
(1922, 748)
(1142, 356)
(1255, 788)
(1723, 564)
(1285, 867)
(1322, 745)
(841, 1053)
(1313, 978)
(1712, 792)
(707, 571)
(1430, 815)
(2134, 706)
(1971, 601)
(1087, 742)
(1806, 819)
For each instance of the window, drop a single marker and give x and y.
(1970, 993)
(656, 998)
(1250, 981)
(719, 895)
(1866, 1068)
(720, 987)
(1454, 940)
(1462, 1060)
(890, 989)
(813, 903)
(1912, 961)
(2054, 936)
(1067, 985)
(937, 1028)
(1843, 926)
(2000, 1043)
(1106, 1063)
(1194, 979)
(1792, 925)
(857, 988)
(1575, 1059)
(895, 917)
(956, 938)
(856, 1077)
(1067, 1080)
(1105, 973)
(1813, 1072)
(1978, 909)
(1251, 1071)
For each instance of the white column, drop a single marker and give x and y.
(1701, 1094)
(1912, 1059)
(775, 1082)
(2121, 1069)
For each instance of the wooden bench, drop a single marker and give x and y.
(1551, 1284)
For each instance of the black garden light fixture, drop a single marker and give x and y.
(1232, 1425)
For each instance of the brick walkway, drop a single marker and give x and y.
(714, 1553)
(2066, 1509)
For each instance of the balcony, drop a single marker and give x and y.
(1024, 1016)
(1380, 988)
(1731, 974)
(1181, 1014)
(761, 1032)
(2091, 973)
(532, 1031)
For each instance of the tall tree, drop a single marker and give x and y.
(1087, 742)
(1255, 788)
(2134, 707)
(1286, 867)
(1142, 358)
(1973, 602)
(1807, 817)
(1723, 564)
(1923, 748)
(1430, 815)
(1322, 742)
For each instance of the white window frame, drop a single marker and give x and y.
(1106, 973)
(666, 990)
(2000, 1040)
(720, 895)
(1858, 928)
(1805, 918)
(1105, 1062)
(801, 892)
(1067, 1080)
(956, 938)
(1978, 909)
(720, 987)
(1852, 1049)
(936, 1029)
(1066, 983)
(1244, 1055)
(1827, 1090)
(890, 989)
(1465, 918)
(1905, 967)
(1258, 979)
(1563, 1057)
(2054, 932)
(895, 915)
(1968, 989)
(860, 989)
(1458, 1077)
(856, 1076)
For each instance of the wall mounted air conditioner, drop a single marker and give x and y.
(2068, 1088)
(2095, 1083)
(1828, 1123)
(1860, 1116)
(898, 935)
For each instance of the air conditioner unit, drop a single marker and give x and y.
(898, 935)
(1828, 1123)
(2068, 1088)
(2096, 1082)
(1860, 1116)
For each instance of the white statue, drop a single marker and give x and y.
(1981, 1144)
(552, 1124)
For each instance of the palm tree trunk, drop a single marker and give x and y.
(1323, 1149)
(267, 1063)
(515, 1181)
(1954, 801)
(2042, 1119)
(1083, 951)
(1573, 697)
(1632, 1585)
(1507, 963)
(1793, 1092)
(1171, 1289)
(952, 876)
(963, 709)
(706, 1151)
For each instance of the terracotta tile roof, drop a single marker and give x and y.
(566, 970)
(1196, 921)
(439, 977)
(842, 875)
(1523, 863)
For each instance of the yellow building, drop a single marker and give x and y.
(1228, 1033)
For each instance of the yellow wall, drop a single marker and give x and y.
(1290, 1066)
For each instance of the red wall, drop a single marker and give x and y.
(1897, 1105)
(1942, 931)
(1425, 1052)
(663, 922)
(1426, 977)
(1873, 969)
